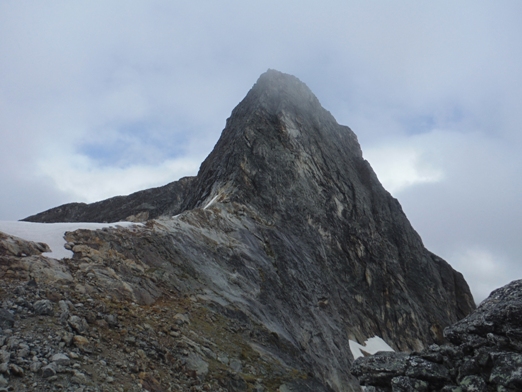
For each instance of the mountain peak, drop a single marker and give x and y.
(287, 223)
(277, 94)
(279, 143)
(274, 88)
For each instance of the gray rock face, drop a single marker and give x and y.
(285, 226)
(486, 354)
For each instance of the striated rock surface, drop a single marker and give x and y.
(287, 233)
(484, 354)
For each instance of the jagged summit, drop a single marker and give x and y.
(278, 141)
(288, 224)
(275, 91)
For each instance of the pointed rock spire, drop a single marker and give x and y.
(277, 138)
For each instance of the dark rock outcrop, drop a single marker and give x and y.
(287, 226)
(137, 207)
(484, 354)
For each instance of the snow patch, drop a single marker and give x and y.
(211, 201)
(371, 346)
(52, 233)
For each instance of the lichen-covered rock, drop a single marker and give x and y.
(486, 354)
(473, 384)
(421, 369)
(499, 315)
(379, 369)
(507, 370)
(407, 384)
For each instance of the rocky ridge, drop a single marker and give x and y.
(287, 230)
(137, 207)
(101, 322)
(484, 354)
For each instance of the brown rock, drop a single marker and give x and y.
(80, 341)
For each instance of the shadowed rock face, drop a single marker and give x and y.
(288, 223)
(139, 206)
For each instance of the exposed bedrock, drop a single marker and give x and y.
(484, 353)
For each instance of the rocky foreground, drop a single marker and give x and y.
(484, 354)
(76, 325)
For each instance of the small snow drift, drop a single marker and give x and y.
(371, 346)
(210, 202)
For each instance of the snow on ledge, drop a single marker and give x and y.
(52, 233)
(211, 201)
(371, 346)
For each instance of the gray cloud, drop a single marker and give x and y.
(140, 90)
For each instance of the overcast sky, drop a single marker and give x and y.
(103, 98)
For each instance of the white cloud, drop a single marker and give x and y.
(400, 167)
(79, 176)
(487, 270)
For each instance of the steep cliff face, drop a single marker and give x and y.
(287, 224)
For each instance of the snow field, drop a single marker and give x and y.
(52, 233)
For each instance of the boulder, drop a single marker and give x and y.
(484, 355)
